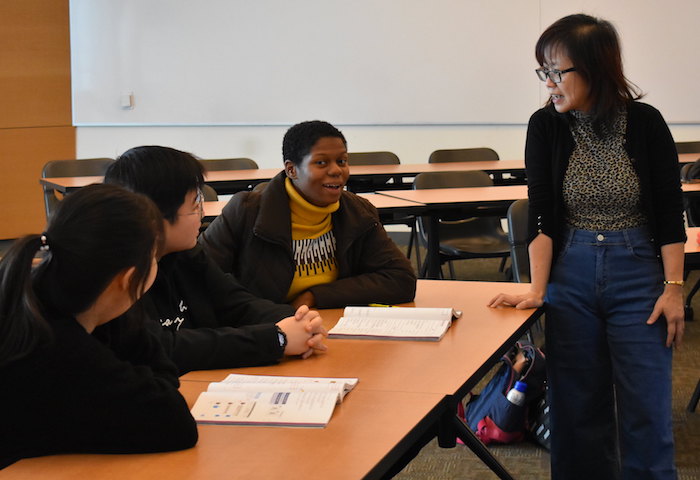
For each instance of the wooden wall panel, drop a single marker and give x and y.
(21, 195)
(35, 117)
(35, 60)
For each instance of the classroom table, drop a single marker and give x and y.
(452, 366)
(688, 157)
(405, 389)
(691, 250)
(472, 200)
(691, 189)
(346, 449)
(231, 181)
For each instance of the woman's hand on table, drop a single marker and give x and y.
(520, 301)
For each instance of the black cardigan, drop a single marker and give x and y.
(223, 325)
(110, 392)
(648, 143)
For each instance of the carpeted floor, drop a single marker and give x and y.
(527, 461)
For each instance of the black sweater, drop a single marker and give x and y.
(110, 392)
(648, 143)
(206, 319)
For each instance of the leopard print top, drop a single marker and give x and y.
(601, 188)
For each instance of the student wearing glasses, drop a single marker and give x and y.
(77, 375)
(205, 318)
(304, 239)
(606, 255)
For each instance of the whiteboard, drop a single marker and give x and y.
(359, 62)
(660, 41)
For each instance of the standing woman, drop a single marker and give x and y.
(606, 255)
(71, 381)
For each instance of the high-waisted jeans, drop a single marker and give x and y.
(604, 363)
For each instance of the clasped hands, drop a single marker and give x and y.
(305, 332)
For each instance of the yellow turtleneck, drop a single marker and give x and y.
(313, 243)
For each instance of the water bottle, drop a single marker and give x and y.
(516, 395)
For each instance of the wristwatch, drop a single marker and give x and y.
(282, 338)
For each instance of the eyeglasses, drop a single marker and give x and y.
(198, 206)
(553, 75)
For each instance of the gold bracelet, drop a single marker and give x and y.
(680, 283)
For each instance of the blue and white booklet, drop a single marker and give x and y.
(271, 400)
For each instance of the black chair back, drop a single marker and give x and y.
(463, 155)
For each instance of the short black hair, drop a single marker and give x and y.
(163, 174)
(301, 137)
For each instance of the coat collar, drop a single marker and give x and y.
(274, 223)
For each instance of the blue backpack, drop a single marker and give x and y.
(490, 415)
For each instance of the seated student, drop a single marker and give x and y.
(208, 319)
(305, 240)
(71, 381)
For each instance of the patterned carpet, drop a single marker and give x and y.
(527, 461)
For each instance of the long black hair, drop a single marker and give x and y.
(593, 46)
(96, 233)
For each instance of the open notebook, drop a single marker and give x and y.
(395, 323)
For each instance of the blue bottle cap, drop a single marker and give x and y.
(520, 386)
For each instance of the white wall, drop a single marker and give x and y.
(659, 42)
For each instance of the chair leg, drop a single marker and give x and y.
(410, 245)
(452, 270)
(424, 270)
(694, 398)
(689, 299)
(414, 235)
(503, 264)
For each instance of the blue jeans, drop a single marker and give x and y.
(609, 372)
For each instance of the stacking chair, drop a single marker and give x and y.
(260, 186)
(688, 147)
(482, 154)
(213, 165)
(463, 238)
(519, 256)
(209, 193)
(229, 164)
(372, 158)
(690, 173)
(70, 168)
(517, 237)
(358, 185)
(384, 158)
(693, 215)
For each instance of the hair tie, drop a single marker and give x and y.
(44, 243)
